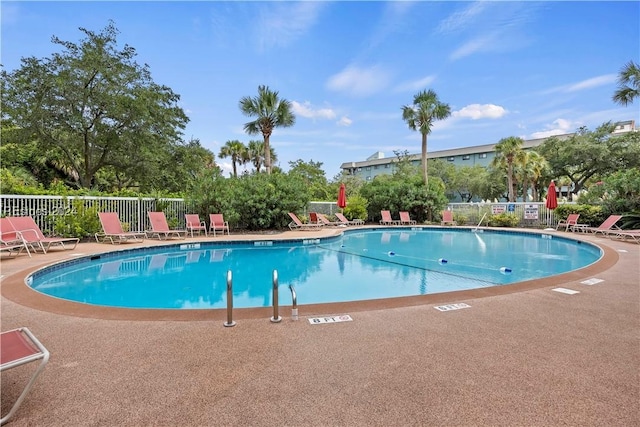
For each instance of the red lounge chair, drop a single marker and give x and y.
(405, 219)
(217, 223)
(160, 227)
(11, 240)
(194, 224)
(33, 236)
(345, 221)
(387, 220)
(112, 230)
(325, 221)
(447, 218)
(570, 223)
(624, 234)
(19, 347)
(296, 224)
(608, 226)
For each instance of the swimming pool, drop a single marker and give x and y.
(358, 265)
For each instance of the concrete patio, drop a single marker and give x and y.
(520, 355)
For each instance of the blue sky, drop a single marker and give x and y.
(528, 69)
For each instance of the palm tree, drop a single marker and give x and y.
(238, 153)
(270, 112)
(256, 154)
(507, 151)
(628, 84)
(420, 116)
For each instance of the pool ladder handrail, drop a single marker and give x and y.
(481, 219)
(276, 317)
(294, 302)
(229, 321)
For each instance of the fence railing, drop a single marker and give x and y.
(131, 210)
(531, 214)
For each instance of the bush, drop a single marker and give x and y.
(504, 220)
(589, 214)
(253, 202)
(356, 208)
(82, 221)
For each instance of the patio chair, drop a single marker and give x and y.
(325, 221)
(313, 218)
(569, 223)
(11, 240)
(624, 234)
(608, 226)
(112, 230)
(345, 221)
(19, 347)
(296, 224)
(33, 236)
(447, 218)
(217, 223)
(387, 220)
(194, 224)
(405, 219)
(160, 227)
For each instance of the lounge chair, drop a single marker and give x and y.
(608, 226)
(624, 234)
(387, 220)
(160, 227)
(405, 219)
(296, 224)
(447, 218)
(345, 221)
(194, 224)
(325, 221)
(11, 240)
(217, 223)
(19, 347)
(112, 230)
(34, 237)
(570, 223)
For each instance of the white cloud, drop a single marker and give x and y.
(480, 111)
(479, 44)
(419, 84)
(282, 23)
(307, 110)
(344, 121)
(461, 19)
(359, 81)
(558, 127)
(583, 84)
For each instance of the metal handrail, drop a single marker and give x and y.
(276, 318)
(229, 321)
(294, 307)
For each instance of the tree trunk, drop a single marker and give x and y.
(425, 176)
(267, 155)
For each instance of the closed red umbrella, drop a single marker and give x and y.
(342, 197)
(552, 198)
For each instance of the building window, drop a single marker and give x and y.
(375, 166)
(359, 169)
(483, 155)
(387, 165)
(368, 168)
(451, 159)
(467, 157)
(368, 178)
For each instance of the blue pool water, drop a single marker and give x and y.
(360, 265)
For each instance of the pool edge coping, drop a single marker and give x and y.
(15, 289)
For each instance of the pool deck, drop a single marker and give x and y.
(520, 355)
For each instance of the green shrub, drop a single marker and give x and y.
(503, 220)
(589, 214)
(356, 208)
(81, 221)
